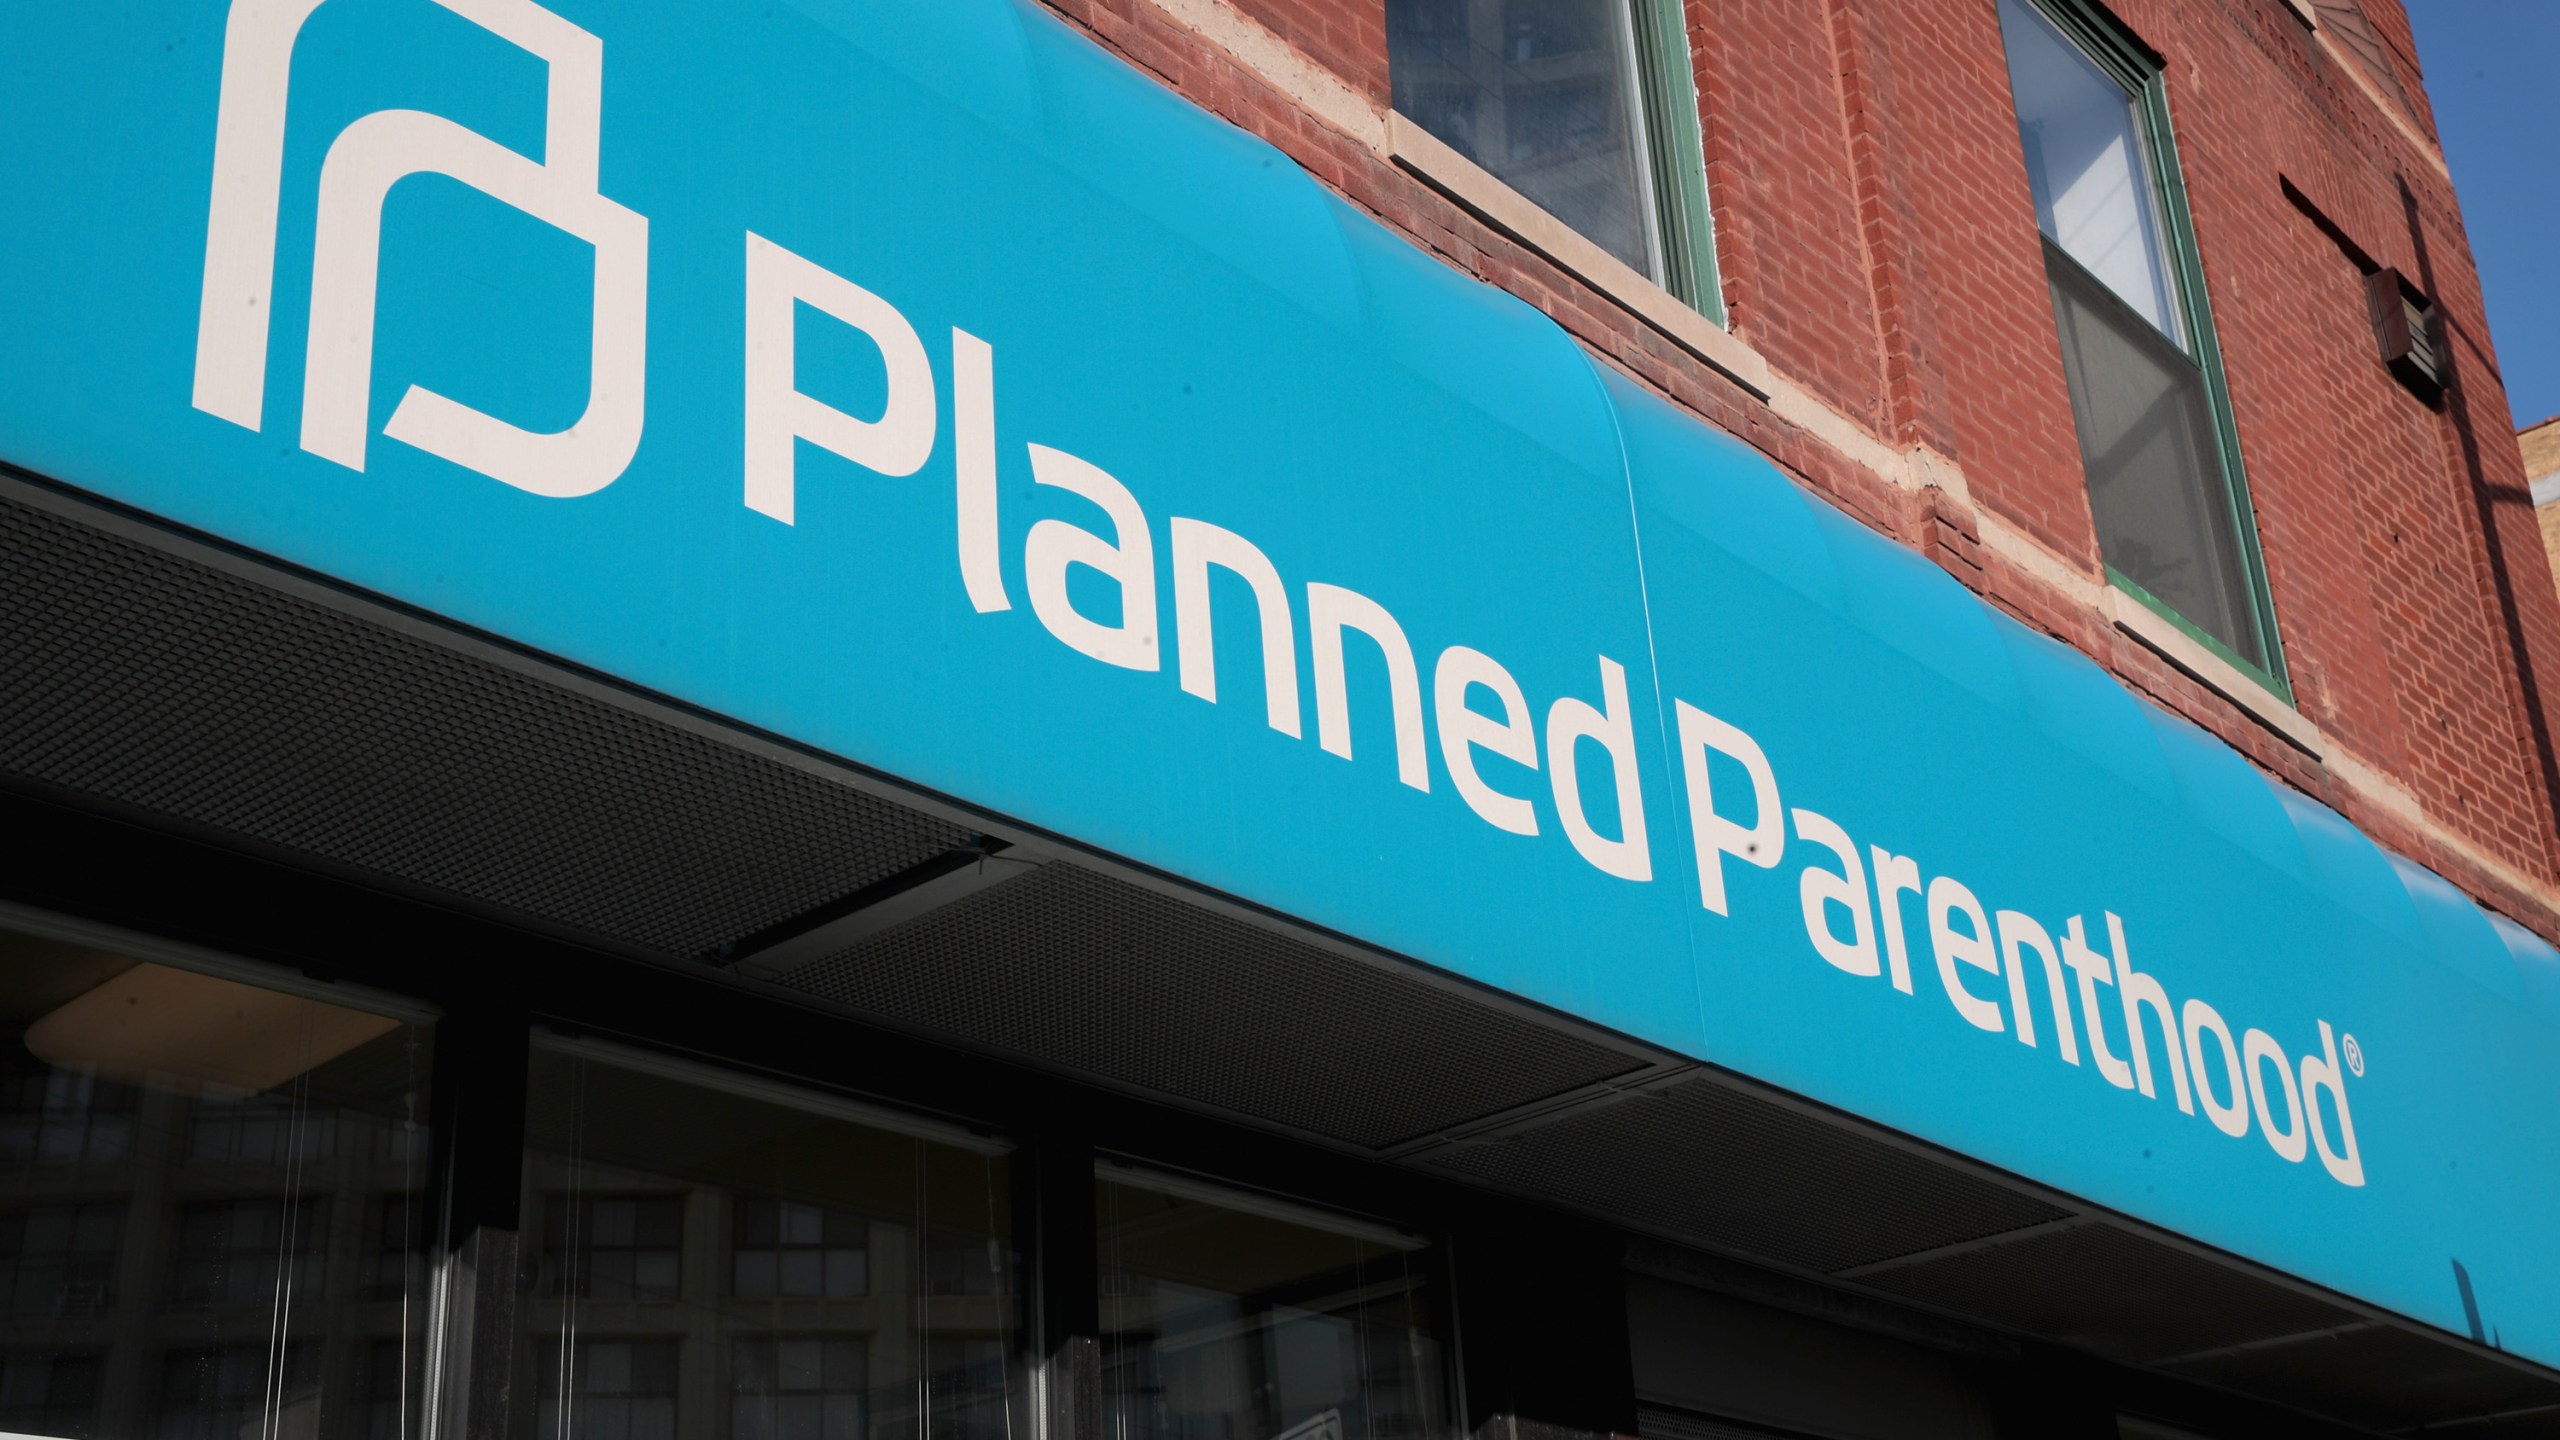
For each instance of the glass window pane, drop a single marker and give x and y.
(2162, 506)
(1542, 93)
(718, 1257)
(211, 1204)
(1228, 1318)
(2088, 164)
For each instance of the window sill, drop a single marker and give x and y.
(1497, 204)
(2213, 672)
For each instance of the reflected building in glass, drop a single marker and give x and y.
(718, 1258)
(1229, 1316)
(211, 1204)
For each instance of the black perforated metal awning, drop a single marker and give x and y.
(160, 677)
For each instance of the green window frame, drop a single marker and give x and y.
(1667, 83)
(2144, 78)
(1438, 64)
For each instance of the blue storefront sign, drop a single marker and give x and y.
(920, 383)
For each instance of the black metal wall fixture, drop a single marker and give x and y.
(2410, 334)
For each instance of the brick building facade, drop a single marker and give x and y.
(1748, 720)
(1879, 260)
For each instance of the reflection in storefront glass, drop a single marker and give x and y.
(1227, 1317)
(210, 1205)
(718, 1258)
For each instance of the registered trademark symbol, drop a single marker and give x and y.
(2355, 1056)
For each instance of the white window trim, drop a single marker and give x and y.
(2213, 672)
(1477, 190)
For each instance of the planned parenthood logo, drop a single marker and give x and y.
(366, 159)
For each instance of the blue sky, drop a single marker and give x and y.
(2493, 73)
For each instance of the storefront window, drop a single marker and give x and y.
(210, 1198)
(713, 1256)
(1231, 1317)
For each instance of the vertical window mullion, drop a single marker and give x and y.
(475, 1215)
(1641, 76)
(1677, 150)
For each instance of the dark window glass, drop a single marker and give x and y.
(1542, 93)
(799, 1388)
(394, 1248)
(799, 1251)
(60, 1259)
(64, 1117)
(193, 1171)
(610, 1390)
(1227, 1317)
(50, 1393)
(386, 1381)
(618, 1247)
(2147, 448)
(964, 1265)
(2159, 492)
(761, 1260)
(248, 1252)
(968, 1375)
(256, 1130)
(224, 1392)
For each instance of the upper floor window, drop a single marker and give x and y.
(2156, 443)
(1586, 107)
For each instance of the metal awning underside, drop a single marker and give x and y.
(162, 679)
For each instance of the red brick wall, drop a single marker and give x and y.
(1878, 247)
(1349, 40)
(1792, 239)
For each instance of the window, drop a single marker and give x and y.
(798, 1388)
(255, 1130)
(1587, 107)
(187, 1162)
(64, 1117)
(60, 1259)
(610, 1390)
(720, 1255)
(1228, 1316)
(2156, 443)
(388, 1373)
(221, 1392)
(616, 1247)
(393, 1249)
(786, 1249)
(49, 1393)
(247, 1252)
(1709, 1366)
